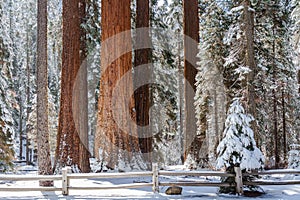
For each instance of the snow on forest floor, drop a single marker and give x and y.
(289, 192)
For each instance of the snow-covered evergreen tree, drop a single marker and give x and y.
(6, 124)
(296, 18)
(22, 29)
(93, 43)
(210, 97)
(167, 57)
(238, 147)
(6, 94)
(6, 133)
(54, 66)
(276, 80)
(294, 157)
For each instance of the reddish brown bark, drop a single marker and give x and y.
(191, 31)
(84, 153)
(116, 135)
(69, 150)
(142, 94)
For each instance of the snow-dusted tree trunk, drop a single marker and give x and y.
(44, 162)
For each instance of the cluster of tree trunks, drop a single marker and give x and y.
(110, 139)
(121, 117)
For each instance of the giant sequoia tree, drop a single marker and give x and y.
(69, 144)
(116, 139)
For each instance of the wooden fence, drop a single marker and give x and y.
(66, 176)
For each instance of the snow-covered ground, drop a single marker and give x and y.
(289, 192)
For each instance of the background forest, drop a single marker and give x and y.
(245, 49)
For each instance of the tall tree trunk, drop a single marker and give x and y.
(299, 80)
(216, 120)
(191, 31)
(284, 123)
(116, 138)
(28, 99)
(44, 161)
(82, 94)
(275, 131)
(250, 62)
(68, 140)
(20, 127)
(142, 93)
(181, 103)
(275, 110)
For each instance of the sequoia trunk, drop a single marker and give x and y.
(116, 138)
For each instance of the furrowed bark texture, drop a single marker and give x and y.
(116, 138)
(72, 141)
(142, 93)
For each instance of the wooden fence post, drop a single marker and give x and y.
(238, 180)
(65, 180)
(155, 186)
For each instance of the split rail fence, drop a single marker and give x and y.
(67, 176)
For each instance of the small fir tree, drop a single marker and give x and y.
(238, 147)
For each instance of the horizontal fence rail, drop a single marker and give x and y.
(272, 172)
(196, 173)
(110, 175)
(272, 182)
(30, 178)
(67, 176)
